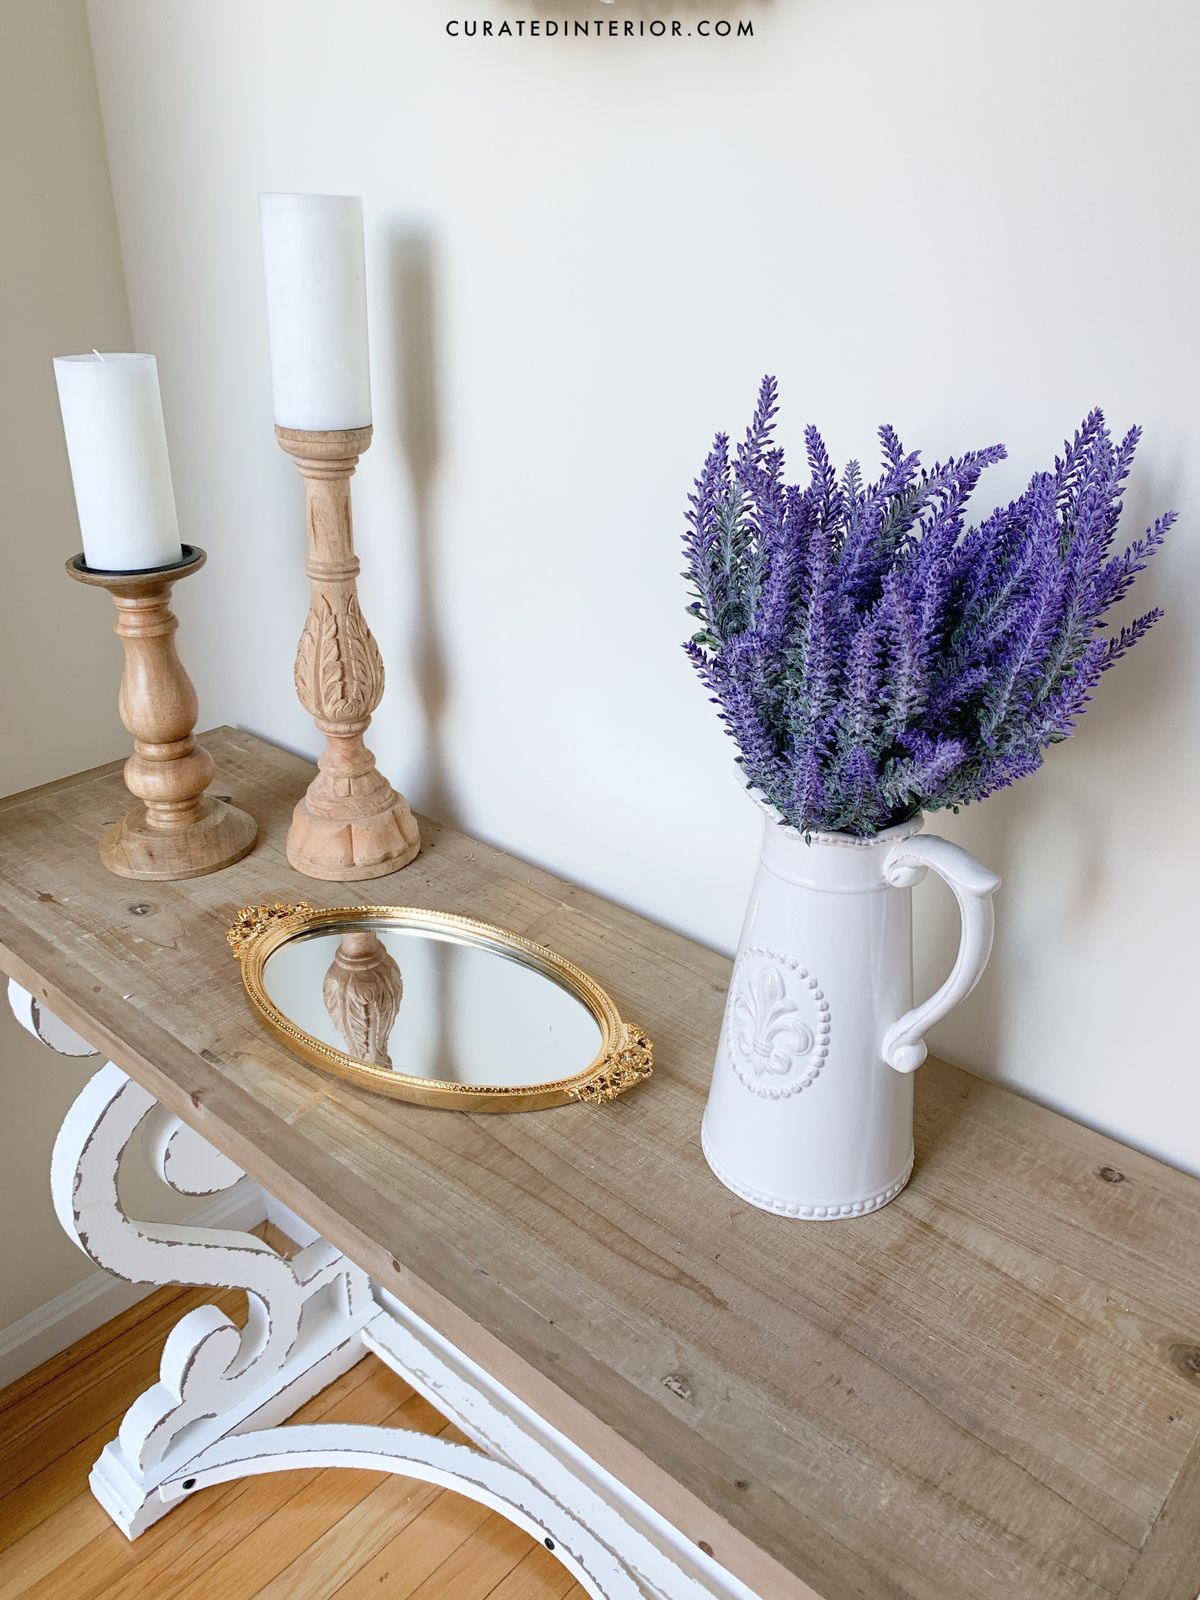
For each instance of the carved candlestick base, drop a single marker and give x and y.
(179, 831)
(351, 824)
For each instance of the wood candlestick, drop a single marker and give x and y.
(351, 823)
(179, 831)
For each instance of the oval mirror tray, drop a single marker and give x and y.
(436, 1009)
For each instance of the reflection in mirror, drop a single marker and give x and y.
(432, 1006)
(362, 992)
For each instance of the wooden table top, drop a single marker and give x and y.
(989, 1388)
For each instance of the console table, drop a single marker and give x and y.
(989, 1389)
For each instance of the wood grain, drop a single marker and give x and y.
(988, 1389)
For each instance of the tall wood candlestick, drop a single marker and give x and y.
(179, 831)
(351, 824)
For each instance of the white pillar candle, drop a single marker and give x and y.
(117, 446)
(317, 310)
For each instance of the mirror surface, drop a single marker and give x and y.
(432, 1006)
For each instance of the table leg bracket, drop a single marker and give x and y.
(215, 1412)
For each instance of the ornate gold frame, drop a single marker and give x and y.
(624, 1059)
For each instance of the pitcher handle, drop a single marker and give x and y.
(973, 886)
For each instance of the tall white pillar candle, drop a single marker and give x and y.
(317, 310)
(117, 447)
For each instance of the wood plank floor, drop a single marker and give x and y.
(288, 1536)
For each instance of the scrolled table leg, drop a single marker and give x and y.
(213, 1414)
(45, 1027)
(214, 1376)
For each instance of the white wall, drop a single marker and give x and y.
(61, 289)
(973, 221)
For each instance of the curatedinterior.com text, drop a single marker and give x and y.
(605, 28)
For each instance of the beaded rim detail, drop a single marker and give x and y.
(787, 1208)
(842, 841)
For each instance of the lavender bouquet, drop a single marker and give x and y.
(870, 658)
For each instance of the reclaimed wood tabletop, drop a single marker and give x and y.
(990, 1388)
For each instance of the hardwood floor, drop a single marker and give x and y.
(288, 1536)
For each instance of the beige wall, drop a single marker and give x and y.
(61, 289)
(972, 221)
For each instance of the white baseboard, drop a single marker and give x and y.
(50, 1328)
(286, 1220)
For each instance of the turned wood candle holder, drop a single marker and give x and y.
(178, 831)
(351, 823)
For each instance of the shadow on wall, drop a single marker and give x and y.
(414, 370)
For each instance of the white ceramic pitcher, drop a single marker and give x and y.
(810, 1110)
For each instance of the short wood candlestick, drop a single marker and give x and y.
(179, 831)
(351, 824)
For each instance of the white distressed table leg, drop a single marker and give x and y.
(575, 1489)
(212, 1415)
(305, 1314)
(495, 1484)
(45, 1027)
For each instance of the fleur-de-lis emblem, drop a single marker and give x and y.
(767, 1031)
